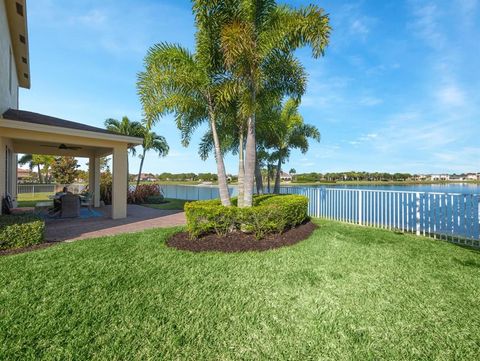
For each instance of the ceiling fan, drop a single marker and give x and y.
(62, 147)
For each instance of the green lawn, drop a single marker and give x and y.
(346, 293)
(30, 199)
(173, 204)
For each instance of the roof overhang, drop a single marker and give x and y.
(17, 23)
(19, 119)
(41, 134)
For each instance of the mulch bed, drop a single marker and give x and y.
(241, 242)
(6, 252)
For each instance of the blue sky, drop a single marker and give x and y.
(398, 89)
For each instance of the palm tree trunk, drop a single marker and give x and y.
(258, 176)
(222, 175)
(40, 177)
(241, 169)
(268, 176)
(141, 166)
(276, 188)
(250, 161)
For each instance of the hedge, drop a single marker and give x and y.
(20, 231)
(269, 214)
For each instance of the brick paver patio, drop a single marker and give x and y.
(138, 219)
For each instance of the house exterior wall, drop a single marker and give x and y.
(8, 71)
(8, 99)
(7, 184)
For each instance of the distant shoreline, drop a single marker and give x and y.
(293, 184)
(391, 183)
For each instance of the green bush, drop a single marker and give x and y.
(269, 214)
(155, 199)
(20, 231)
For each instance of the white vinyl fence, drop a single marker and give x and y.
(193, 192)
(32, 189)
(450, 216)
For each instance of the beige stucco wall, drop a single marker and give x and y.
(8, 94)
(4, 143)
(8, 98)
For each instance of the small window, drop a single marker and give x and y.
(19, 9)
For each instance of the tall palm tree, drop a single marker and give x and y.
(155, 142)
(41, 162)
(29, 159)
(259, 40)
(126, 127)
(290, 132)
(188, 84)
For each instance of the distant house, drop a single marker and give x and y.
(472, 176)
(147, 177)
(457, 177)
(439, 177)
(285, 177)
(23, 175)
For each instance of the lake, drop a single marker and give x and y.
(468, 188)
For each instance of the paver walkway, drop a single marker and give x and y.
(138, 219)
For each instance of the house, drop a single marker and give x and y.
(285, 177)
(472, 176)
(23, 175)
(147, 177)
(457, 177)
(23, 131)
(439, 177)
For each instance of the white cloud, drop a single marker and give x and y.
(370, 101)
(451, 95)
(94, 17)
(426, 24)
(359, 27)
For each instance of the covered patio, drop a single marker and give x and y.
(138, 219)
(33, 133)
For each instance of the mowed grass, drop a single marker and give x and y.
(30, 199)
(346, 293)
(171, 204)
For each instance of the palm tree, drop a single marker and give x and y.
(258, 42)
(126, 127)
(38, 160)
(29, 159)
(188, 84)
(152, 141)
(290, 132)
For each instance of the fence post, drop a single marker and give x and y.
(417, 213)
(360, 207)
(33, 190)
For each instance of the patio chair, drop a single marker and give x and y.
(70, 206)
(87, 200)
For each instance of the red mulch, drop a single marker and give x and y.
(241, 242)
(6, 252)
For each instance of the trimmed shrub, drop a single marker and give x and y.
(140, 194)
(270, 214)
(294, 208)
(155, 199)
(210, 217)
(106, 187)
(20, 231)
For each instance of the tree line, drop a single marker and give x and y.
(350, 176)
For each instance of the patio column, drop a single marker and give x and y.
(119, 188)
(94, 179)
